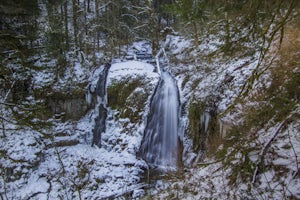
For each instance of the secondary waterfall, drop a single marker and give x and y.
(100, 121)
(160, 145)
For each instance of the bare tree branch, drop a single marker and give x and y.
(295, 154)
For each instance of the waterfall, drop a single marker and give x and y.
(160, 145)
(100, 121)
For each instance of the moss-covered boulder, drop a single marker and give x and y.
(129, 90)
(129, 97)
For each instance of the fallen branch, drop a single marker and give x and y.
(210, 163)
(63, 143)
(7, 120)
(266, 147)
(296, 157)
(127, 192)
(21, 107)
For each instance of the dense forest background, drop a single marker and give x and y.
(66, 30)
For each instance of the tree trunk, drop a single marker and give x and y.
(75, 26)
(196, 32)
(88, 6)
(66, 25)
(96, 8)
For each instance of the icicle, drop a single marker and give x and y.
(207, 119)
(88, 96)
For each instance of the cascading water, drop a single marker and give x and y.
(100, 121)
(160, 145)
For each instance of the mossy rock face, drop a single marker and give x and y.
(72, 106)
(134, 105)
(129, 97)
(195, 133)
(68, 103)
(203, 125)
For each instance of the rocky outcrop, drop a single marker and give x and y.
(67, 105)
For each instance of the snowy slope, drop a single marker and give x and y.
(211, 179)
(49, 170)
(220, 81)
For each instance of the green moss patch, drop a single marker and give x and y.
(129, 97)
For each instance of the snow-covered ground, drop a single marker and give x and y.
(38, 168)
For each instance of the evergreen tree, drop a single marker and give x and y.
(18, 39)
